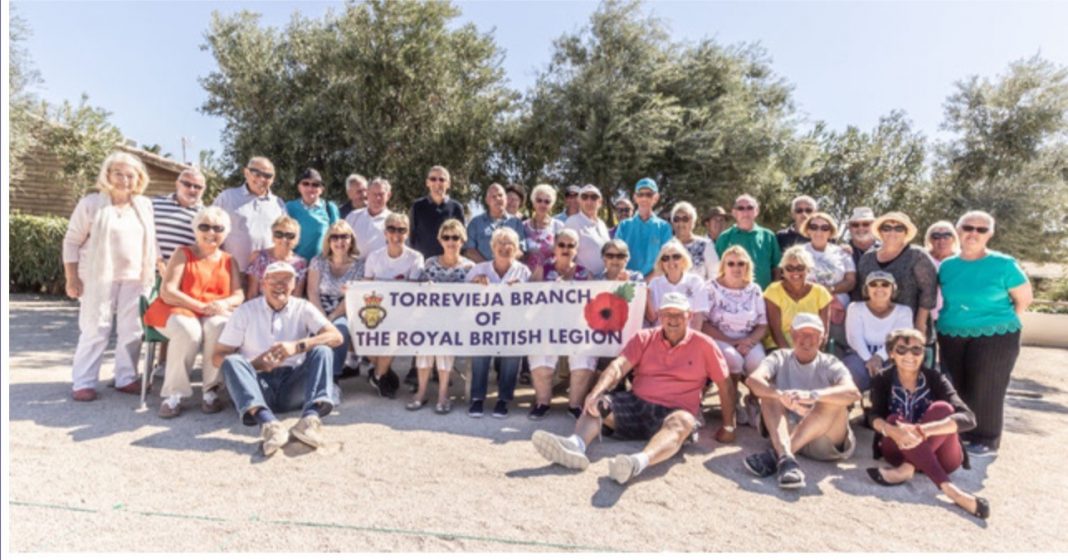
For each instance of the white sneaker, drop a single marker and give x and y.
(622, 468)
(274, 436)
(559, 450)
(741, 417)
(310, 431)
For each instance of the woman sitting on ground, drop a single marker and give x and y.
(867, 325)
(672, 273)
(794, 294)
(448, 268)
(702, 250)
(917, 416)
(200, 289)
(561, 268)
(337, 264)
(286, 234)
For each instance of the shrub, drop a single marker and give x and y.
(36, 246)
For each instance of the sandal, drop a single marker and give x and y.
(877, 476)
(982, 508)
(443, 407)
(416, 405)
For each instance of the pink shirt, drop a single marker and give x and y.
(674, 376)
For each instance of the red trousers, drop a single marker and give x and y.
(937, 456)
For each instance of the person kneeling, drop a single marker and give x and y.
(804, 398)
(269, 364)
(671, 364)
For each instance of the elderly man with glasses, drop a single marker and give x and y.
(174, 213)
(253, 208)
(759, 242)
(434, 209)
(801, 208)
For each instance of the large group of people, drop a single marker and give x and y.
(808, 320)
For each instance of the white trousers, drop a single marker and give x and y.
(124, 300)
(737, 363)
(187, 335)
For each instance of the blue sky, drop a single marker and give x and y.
(849, 63)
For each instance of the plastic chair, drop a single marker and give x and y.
(150, 336)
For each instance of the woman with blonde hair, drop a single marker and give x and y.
(109, 256)
(337, 264)
(286, 234)
(672, 273)
(794, 294)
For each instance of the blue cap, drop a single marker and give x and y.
(646, 183)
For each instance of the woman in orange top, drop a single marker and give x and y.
(200, 288)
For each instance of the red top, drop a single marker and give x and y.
(674, 376)
(202, 280)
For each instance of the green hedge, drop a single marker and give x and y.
(36, 260)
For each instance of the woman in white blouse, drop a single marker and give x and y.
(867, 325)
(834, 268)
(109, 256)
(672, 274)
(702, 250)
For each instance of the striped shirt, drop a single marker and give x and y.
(174, 224)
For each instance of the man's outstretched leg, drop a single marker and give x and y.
(570, 451)
(664, 445)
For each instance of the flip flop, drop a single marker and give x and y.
(443, 407)
(416, 405)
(877, 476)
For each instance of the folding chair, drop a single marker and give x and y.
(150, 336)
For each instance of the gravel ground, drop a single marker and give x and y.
(102, 477)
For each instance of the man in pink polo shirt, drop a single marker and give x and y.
(671, 364)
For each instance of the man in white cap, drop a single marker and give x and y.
(671, 365)
(593, 233)
(270, 363)
(804, 398)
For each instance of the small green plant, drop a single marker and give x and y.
(36, 260)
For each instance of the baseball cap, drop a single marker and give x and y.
(646, 183)
(279, 266)
(675, 300)
(591, 189)
(877, 275)
(807, 321)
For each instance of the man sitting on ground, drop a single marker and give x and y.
(671, 364)
(804, 398)
(270, 363)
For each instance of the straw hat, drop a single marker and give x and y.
(899, 217)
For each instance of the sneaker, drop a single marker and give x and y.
(337, 395)
(387, 384)
(559, 450)
(310, 431)
(84, 395)
(790, 474)
(132, 388)
(761, 464)
(475, 410)
(500, 410)
(622, 468)
(170, 407)
(274, 436)
(574, 411)
(347, 372)
(741, 416)
(538, 412)
(211, 403)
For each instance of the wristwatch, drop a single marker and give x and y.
(814, 395)
(302, 346)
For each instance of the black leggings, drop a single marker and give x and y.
(980, 368)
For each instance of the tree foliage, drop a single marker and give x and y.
(385, 88)
(21, 77)
(82, 137)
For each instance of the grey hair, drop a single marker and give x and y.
(798, 253)
(384, 183)
(985, 216)
(213, 214)
(616, 244)
(686, 208)
(804, 198)
(355, 178)
(568, 232)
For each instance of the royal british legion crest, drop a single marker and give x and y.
(372, 313)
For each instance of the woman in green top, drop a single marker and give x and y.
(984, 293)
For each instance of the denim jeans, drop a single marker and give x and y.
(856, 367)
(341, 352)
(283, 389)
(507, 373)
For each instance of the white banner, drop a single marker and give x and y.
(557, 318)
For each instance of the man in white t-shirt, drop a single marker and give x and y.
(804, 400)
(593, 234)
(271, 363)
(369, 223)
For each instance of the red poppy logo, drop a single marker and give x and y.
(609, 310)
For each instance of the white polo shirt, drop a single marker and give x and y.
(251, 217)
(254, 327)
(593, 234)
(370, 230)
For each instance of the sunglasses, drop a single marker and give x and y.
(285, 234)
(208, 227)
(914, 350)
(818, 227)
(803, 211)
(671, 257)
(887, 228)
(860, 224)
(340, 237)
(589, 196)
(570, 195)
(680, 219)
(940, 235)
(614, 256)
(542, 201)
(879, 284)
(260, 173)
(968, 229)
(794, 268)
(623, 211)
(449, 238)
(565, 245)
(315, 184)
(745, 208)
(437, 179)
(644, 194)
(191, 185)
(736, 264)
(396, 229)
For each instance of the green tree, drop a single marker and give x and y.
(21, 77)
(384, 88)
(82, 137)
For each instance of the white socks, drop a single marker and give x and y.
(581, 445)
(643, 461)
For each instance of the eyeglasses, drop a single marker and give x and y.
(437, 179)
(542, 201)
(940, 235)
(208, 227)
(879, 284)
(340, 237)
(623, 211)
(820, 227)
(745, 208)
(671, 257)
(315, 184)
(859, 224)
(736, 264)
(644, 194)
(614, 256)
(968, 229)
(795, 268)
(571, 195)
(285, 234)
(565, 245)
(191, 185)
(450, 238)
(396, 229)
(803, 210)
(589, 196)
(914, 350)
(887, 228)
(260, 173)
(680, 219)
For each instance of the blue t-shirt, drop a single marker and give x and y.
(975, 295)
(314, 222)
(481, 228)
(644, 238)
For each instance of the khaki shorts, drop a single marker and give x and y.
(821, 448)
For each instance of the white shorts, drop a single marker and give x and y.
(574, 362)
(426, 361)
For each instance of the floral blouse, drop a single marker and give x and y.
(331, 288)
(434, 271)
(263, 258)
(736, 312)
(549, 273)
(539, 242)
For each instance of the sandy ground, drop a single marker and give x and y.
(103, 477)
